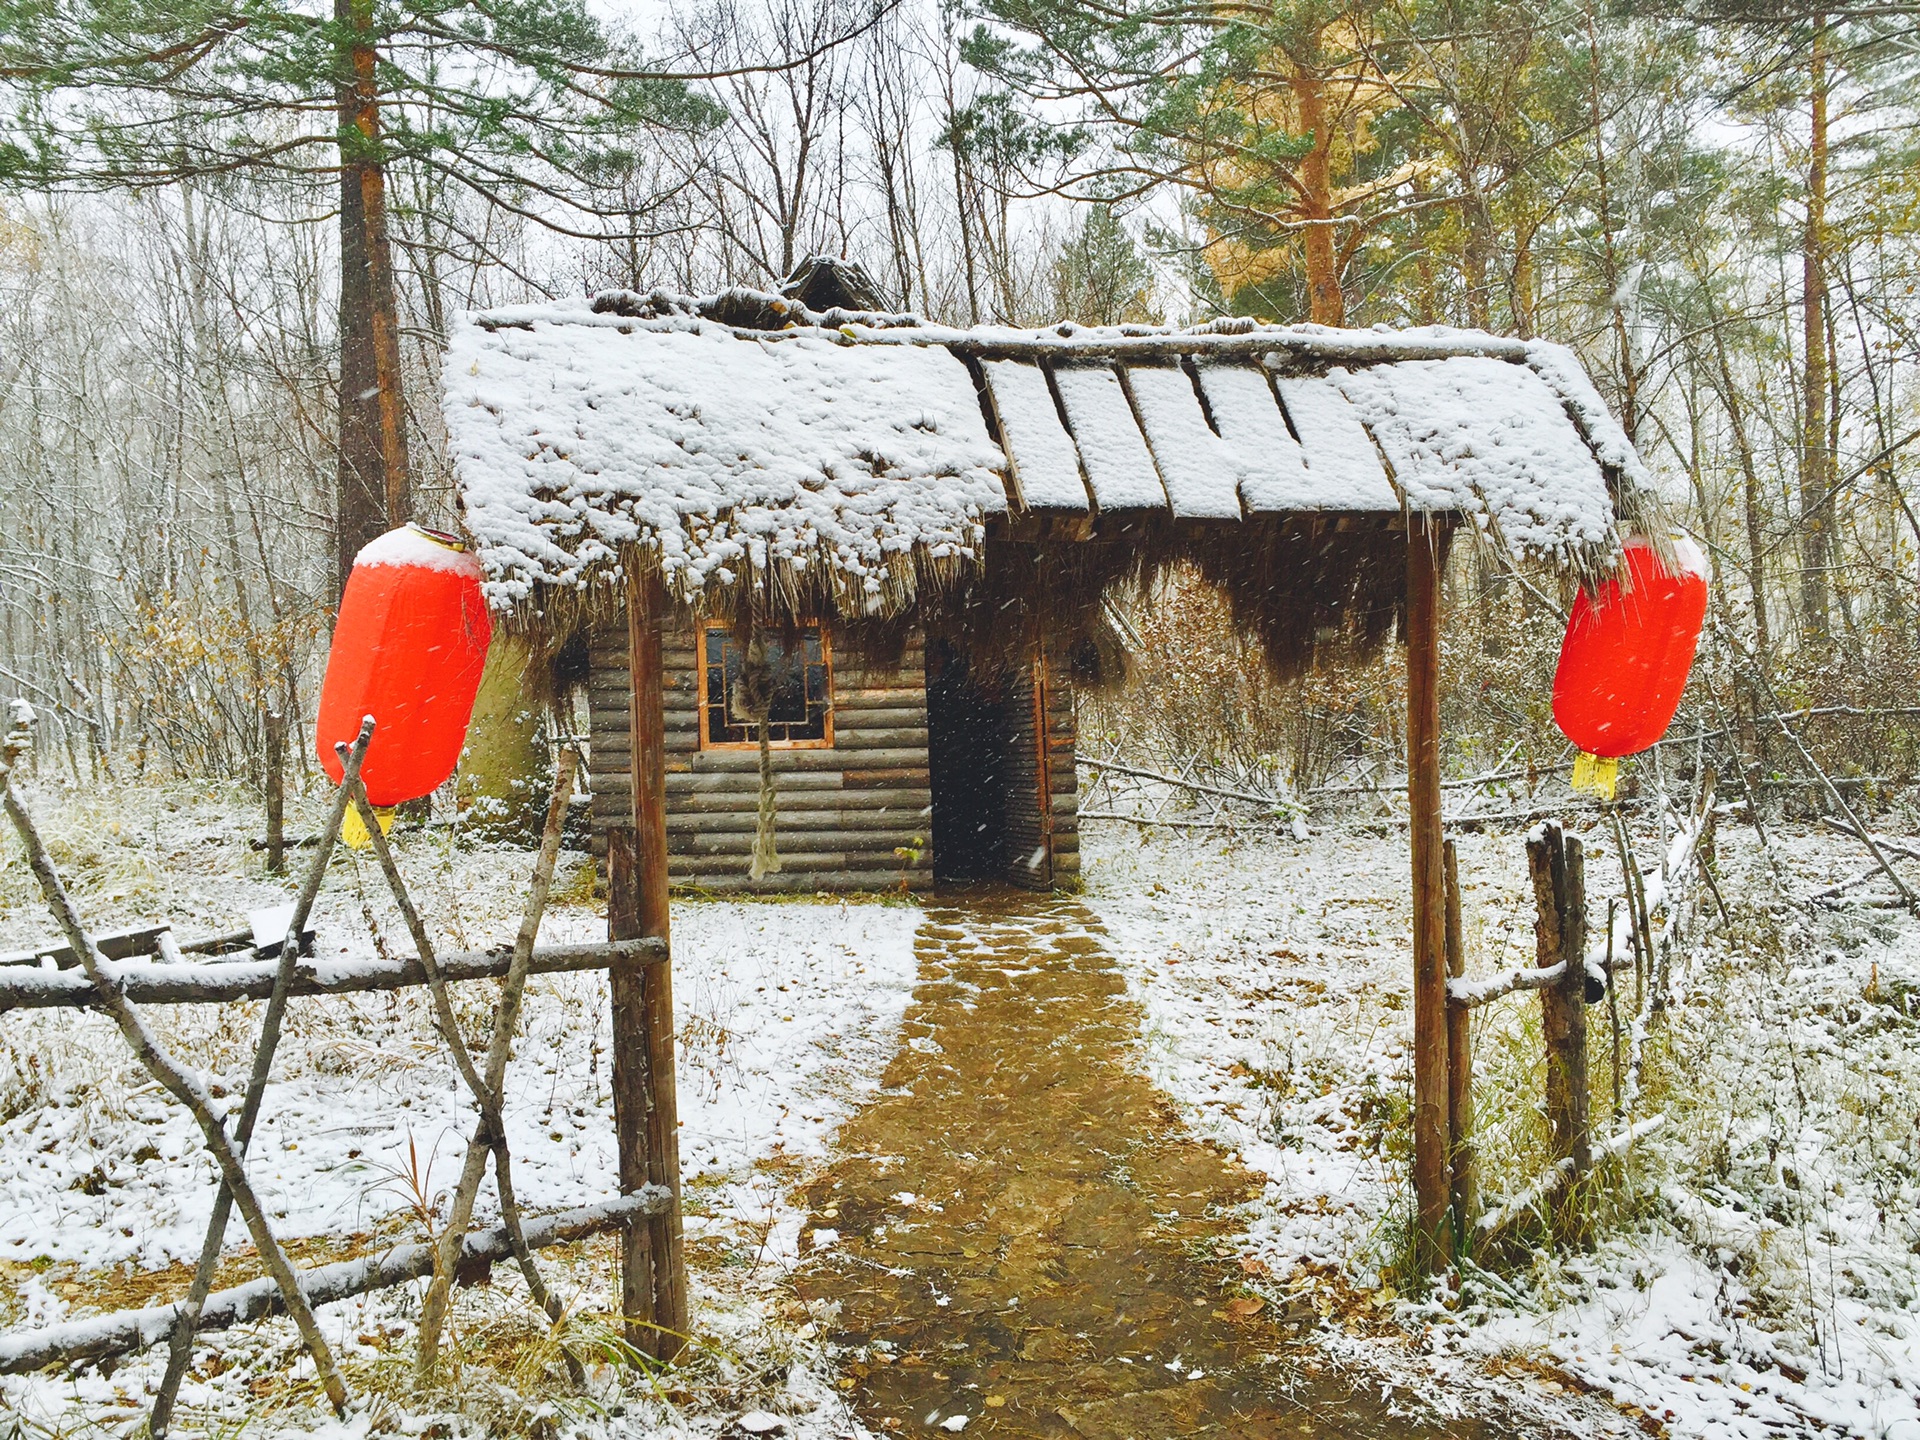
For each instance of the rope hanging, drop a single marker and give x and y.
(754, 697)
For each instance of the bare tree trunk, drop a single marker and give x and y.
(1816, 456)
(1524, 299)
(276, 791)
(1629, 372)
(1479, 256)
(1750, 497)
(375, 489)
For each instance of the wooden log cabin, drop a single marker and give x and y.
(890, 773)
(844, 571)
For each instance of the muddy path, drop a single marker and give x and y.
(1027, 1236)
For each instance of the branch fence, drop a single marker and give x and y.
(460, 1255)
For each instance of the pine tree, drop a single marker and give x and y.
(524, 104)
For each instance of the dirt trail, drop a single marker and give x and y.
(1023, 1219)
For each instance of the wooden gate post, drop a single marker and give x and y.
(1430, 1187)
(1560, 936)
(646, 1111)
(1466, 1201)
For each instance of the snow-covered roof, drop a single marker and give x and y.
(745, 437)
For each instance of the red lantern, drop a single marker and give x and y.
(1628, 650)
(408, 649)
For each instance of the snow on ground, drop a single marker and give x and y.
(787, 1015)
(1756, 1273)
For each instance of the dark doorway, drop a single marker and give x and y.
(966, 758)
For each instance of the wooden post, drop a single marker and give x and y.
(1430, 1186)
(276, 792)
(1560, 937)
(1570, 1213)
(653, 1290)
(1459, 1066)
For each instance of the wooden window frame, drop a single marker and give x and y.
(825, 742)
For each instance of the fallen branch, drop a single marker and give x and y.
(1495, 778)
(1171, 824)
(158, 984)
(125, 1331)
(1272, 802)
(1836, 890)
(1844, 782)
(1892, 847)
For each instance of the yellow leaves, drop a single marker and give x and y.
(19, 243)
(1238, 266)
(1426, 168)
(176, 641)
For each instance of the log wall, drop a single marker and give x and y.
(843, 811)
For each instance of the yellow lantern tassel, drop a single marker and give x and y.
(353, 830)
(1596, 774)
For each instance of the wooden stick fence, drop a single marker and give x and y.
(460, 1256)
(1569, 974)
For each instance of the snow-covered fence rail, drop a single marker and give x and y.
(152, 983)
(99, 1337)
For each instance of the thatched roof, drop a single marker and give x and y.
(751, 447)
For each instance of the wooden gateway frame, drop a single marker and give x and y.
(659, 463)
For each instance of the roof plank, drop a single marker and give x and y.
(1273, 468)
(1200, 471)
(1045, 466)
(1478, 434)
(1119, 470)
(1343, 467)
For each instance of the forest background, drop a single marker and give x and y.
(234, 236)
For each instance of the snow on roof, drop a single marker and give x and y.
(1489, 439)
(572, 439)
(744, 435)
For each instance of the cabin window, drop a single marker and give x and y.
(802, 711)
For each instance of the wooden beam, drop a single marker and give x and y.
(1432, 1196)
(114, 944)
(653, 1291)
